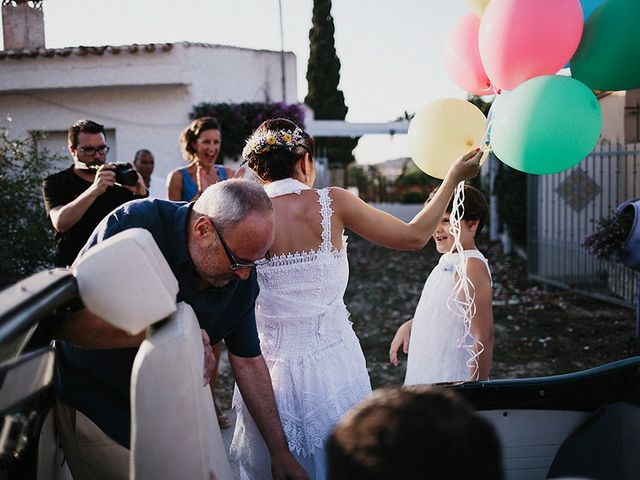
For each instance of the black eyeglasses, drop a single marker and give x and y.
(91, 151)
(233, 260)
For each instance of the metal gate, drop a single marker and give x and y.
(562, 211)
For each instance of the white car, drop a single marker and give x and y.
(585, 424)
(126, 281)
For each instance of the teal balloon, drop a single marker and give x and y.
(546, 125)
(608, 57)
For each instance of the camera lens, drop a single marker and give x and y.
(125, 175)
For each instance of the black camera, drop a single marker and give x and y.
(125, 174)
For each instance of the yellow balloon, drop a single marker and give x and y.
(442, 131)
(478, 6)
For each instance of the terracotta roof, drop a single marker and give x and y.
(110, 49)
(85, 51)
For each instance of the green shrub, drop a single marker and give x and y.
(610, 234)
(413, 197)
(511, 191)
(414, 176)
(26, 240)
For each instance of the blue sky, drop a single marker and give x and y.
(390, 50)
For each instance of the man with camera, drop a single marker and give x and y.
(79, 197)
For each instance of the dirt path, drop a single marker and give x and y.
(537, 332)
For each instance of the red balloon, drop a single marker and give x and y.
(462, 56)
(522, 39)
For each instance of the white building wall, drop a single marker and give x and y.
(140, 117)
(613, 118)
(90, 70)
(144, 98)
(225, 74)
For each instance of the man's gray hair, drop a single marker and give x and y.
(228, 203)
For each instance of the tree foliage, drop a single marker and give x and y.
(323, 77)
(481, 104)
(357, 176)
(238, 120)
(412, 175)
(26, 240)
(511, 190)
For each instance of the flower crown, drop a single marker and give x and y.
(266, 140)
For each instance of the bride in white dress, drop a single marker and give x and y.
(317, 367)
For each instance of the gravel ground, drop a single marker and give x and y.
(538, 331)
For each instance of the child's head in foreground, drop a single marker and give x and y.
(414, 433)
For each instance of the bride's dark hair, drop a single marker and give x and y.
(276, 161)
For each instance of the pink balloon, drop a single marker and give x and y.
(462, 56)
(522, 39)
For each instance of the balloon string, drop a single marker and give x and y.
(489, 89)
(486, 141)
(461, 302)
(487, 135)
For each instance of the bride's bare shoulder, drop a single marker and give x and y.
(343, 199)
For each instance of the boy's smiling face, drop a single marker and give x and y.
(444, 238)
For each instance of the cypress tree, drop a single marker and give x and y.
(323, 76)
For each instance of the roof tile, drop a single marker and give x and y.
(86, 51)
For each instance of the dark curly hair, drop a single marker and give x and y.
(193, 132)
(277, 164)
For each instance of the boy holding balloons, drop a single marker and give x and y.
(450, 337)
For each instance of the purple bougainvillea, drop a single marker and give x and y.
(238, 120)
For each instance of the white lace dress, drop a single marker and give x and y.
(316, 363)
(439, 351)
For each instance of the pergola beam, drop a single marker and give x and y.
(340, 128)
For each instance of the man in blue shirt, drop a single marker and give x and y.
(211, 247)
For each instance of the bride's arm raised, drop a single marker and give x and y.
(385, 229)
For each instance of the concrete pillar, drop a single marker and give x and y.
(23, 25)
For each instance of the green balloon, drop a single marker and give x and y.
(546, 125)
(608, 57)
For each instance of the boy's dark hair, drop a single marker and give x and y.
(83, 126)
(475, 205)
(414, 433)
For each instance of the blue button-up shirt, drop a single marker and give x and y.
(97, 382)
